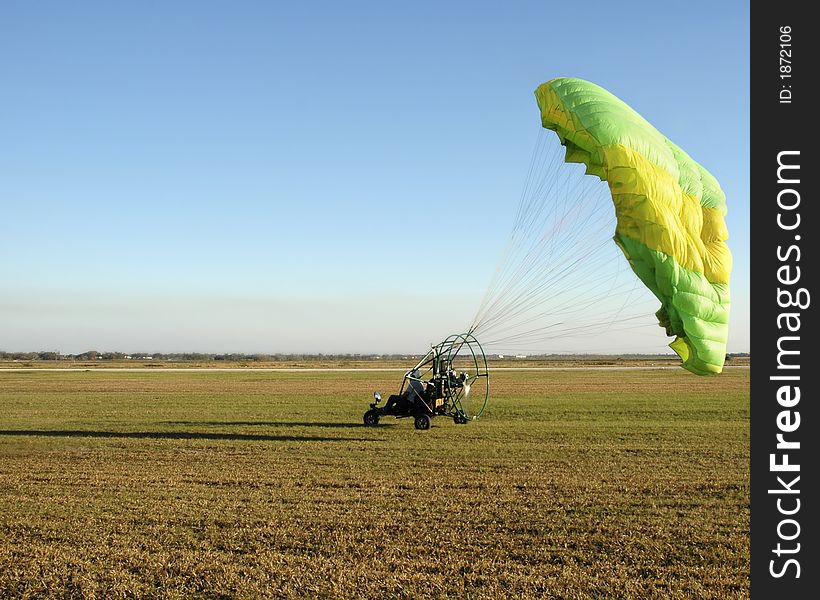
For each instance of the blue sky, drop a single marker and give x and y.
(279, 176)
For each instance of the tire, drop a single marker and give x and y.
(459, 420)
(371, 418)
(423, 422)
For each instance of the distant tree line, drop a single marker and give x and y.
(239, 357)
(191, 356)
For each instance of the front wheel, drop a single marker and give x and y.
(371, 418)
(422, 422)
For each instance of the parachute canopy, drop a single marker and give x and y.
(669, 212)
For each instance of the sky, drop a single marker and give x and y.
(316, 176)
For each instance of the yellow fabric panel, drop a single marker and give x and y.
(567, 120)
(691, 217)
(649, 205)
(717, 258)
(653, 209)
(681, 348)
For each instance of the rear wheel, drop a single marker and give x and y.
(423, 422)
(371, 418)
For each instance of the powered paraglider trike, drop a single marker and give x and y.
(452, 380)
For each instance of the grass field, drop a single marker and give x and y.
(575, 484)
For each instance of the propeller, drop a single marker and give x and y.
(465, 383)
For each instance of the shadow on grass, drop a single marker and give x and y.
(176, 435)
(267, 424)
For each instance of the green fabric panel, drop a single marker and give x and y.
(692, 309)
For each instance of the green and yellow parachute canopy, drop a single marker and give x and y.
(669, 210)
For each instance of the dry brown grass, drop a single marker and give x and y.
(576, 484)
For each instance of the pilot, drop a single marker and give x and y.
(411, 393)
